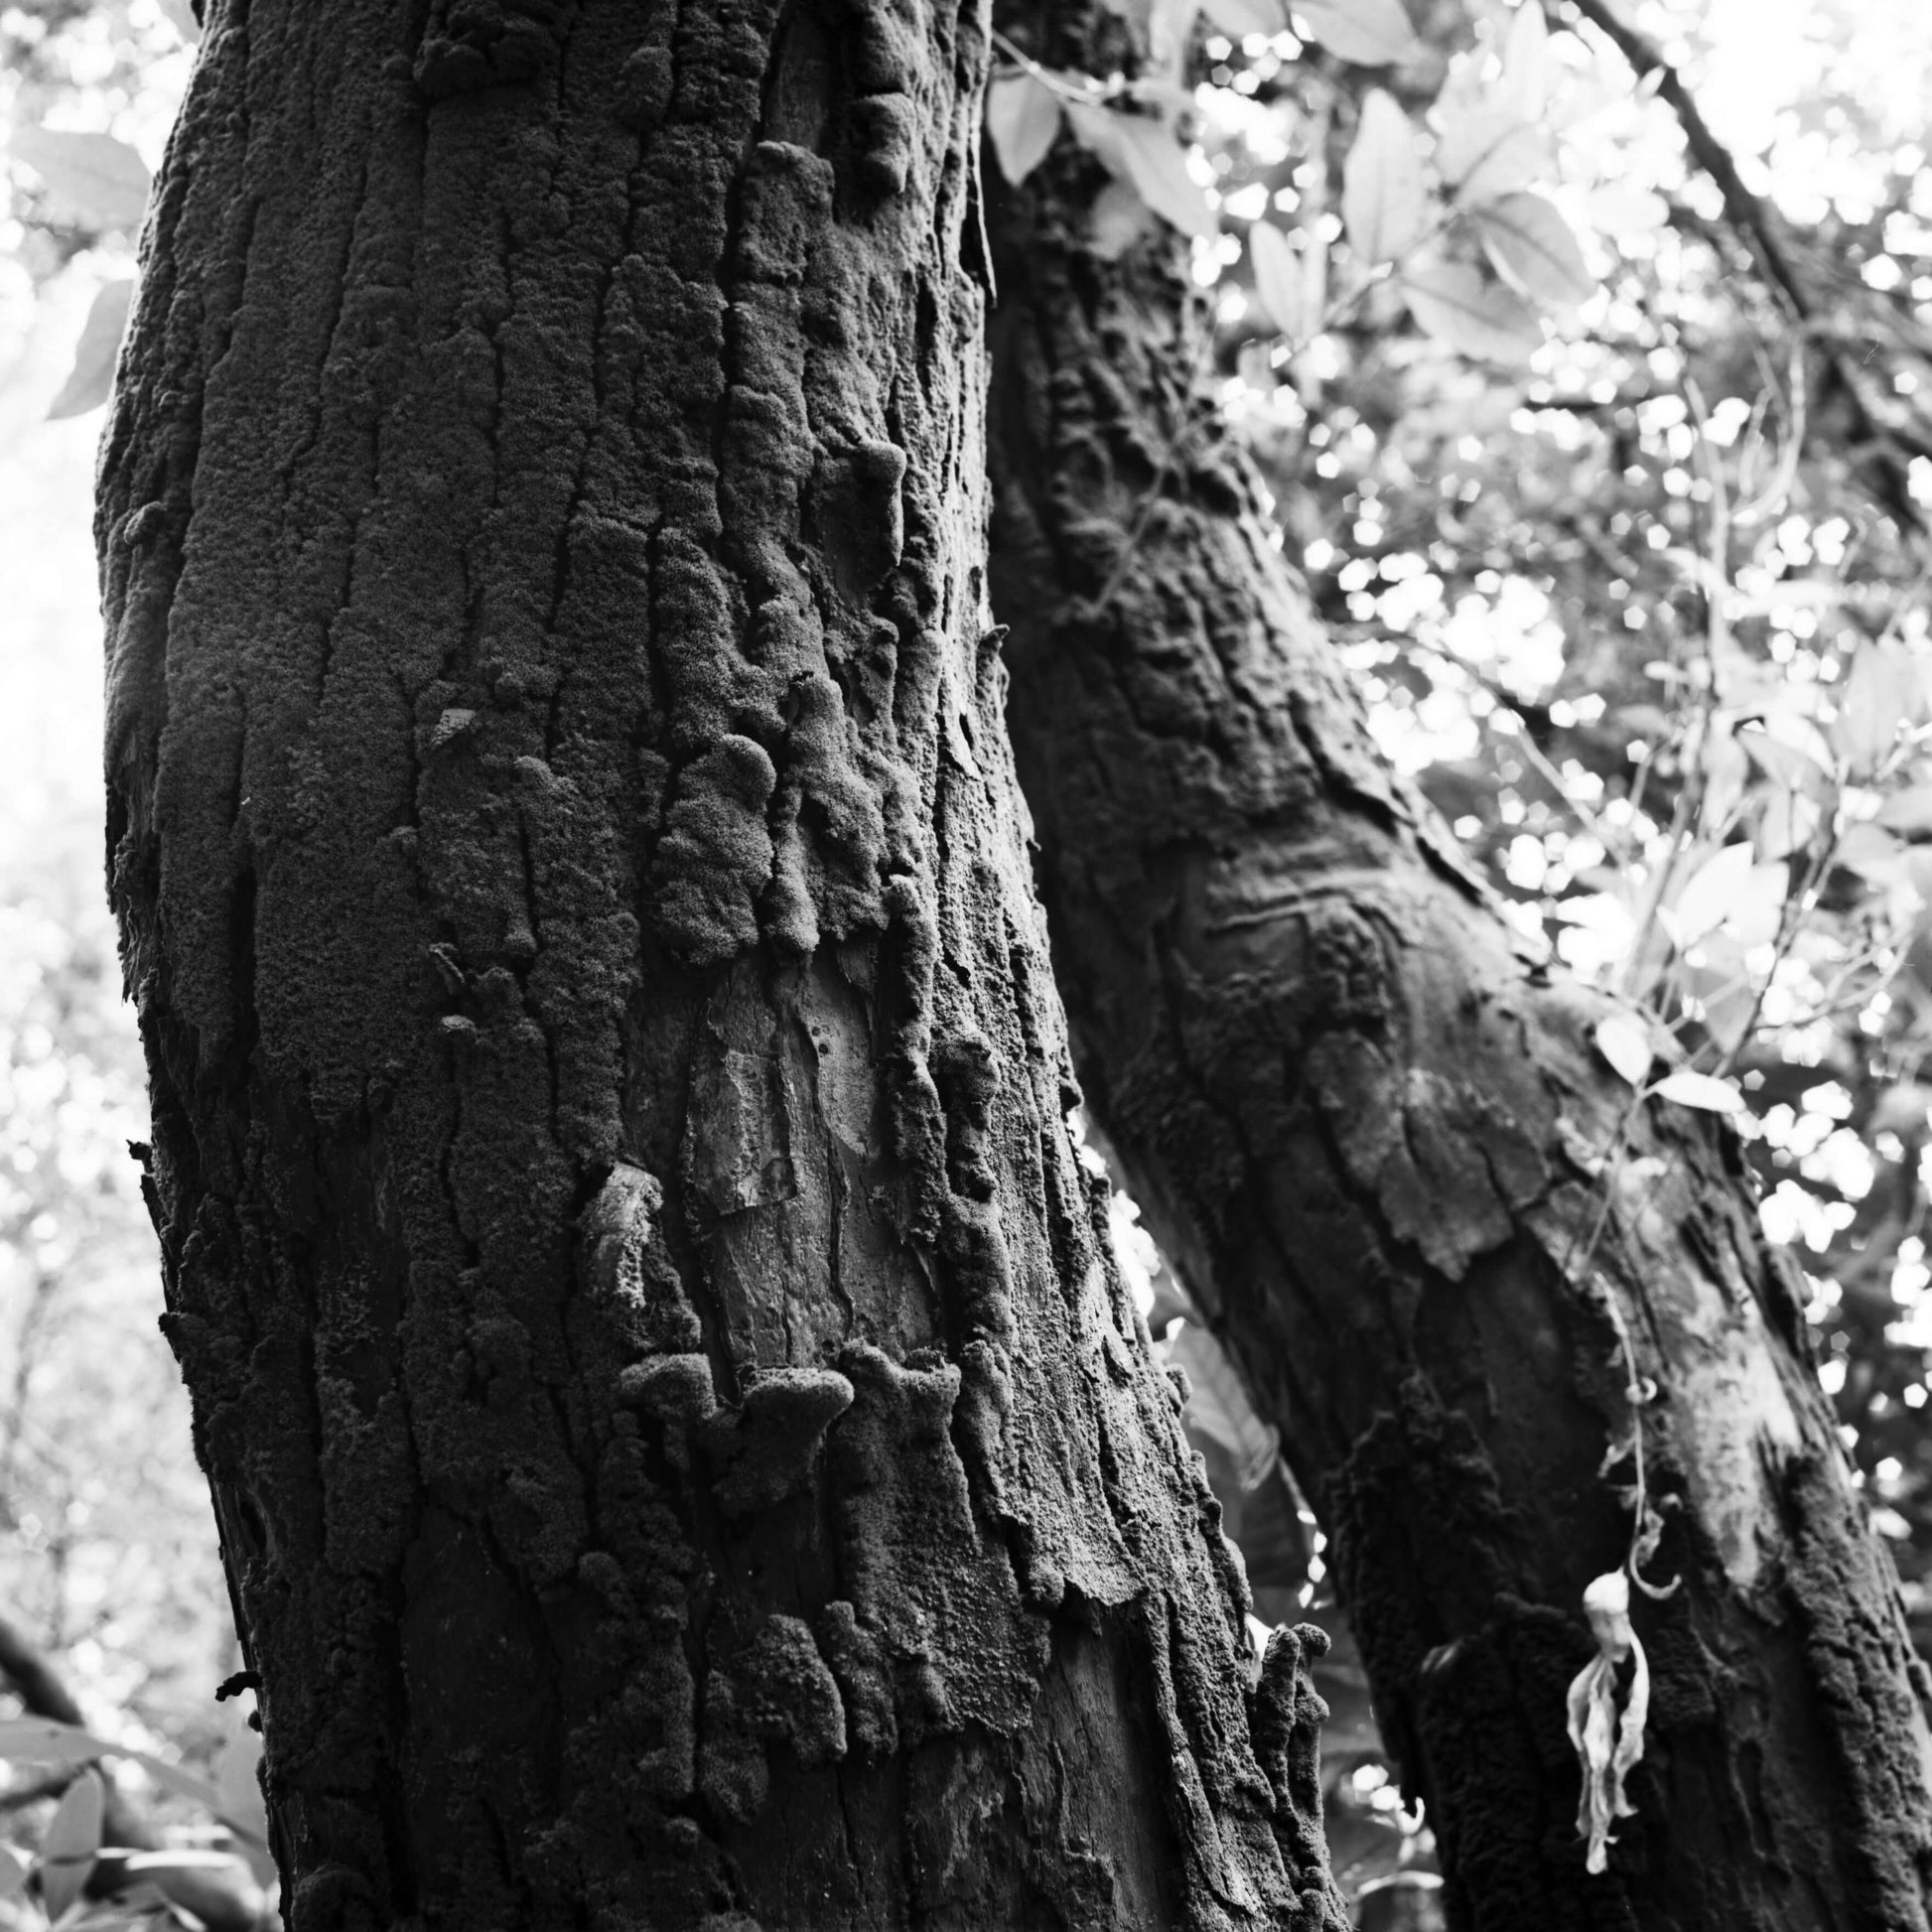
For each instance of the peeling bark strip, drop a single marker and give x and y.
(683, 1452)
(1369, 1131)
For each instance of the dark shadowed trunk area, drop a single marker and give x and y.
(683, 1451)
(1376, 1137)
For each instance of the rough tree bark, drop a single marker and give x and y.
(1375, 1136)
(682, 1449)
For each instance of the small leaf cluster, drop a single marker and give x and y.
(80, 188)
(1449, 213)
(77, 1882)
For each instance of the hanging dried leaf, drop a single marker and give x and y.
(99, 177)
(1370, 33)
(1534, 250)
(1475, 318)
(1383, 202)
(1607, 1745)
(92, 379)
(1023, 117)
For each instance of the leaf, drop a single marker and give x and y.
(1314, 287)
(1624, 1040)
(1349, 1730)
(1157, 165)
(1871, 852)
(1608, 1747)
(1786, 765)
(1700, 1090)
(1145, 153)
(1758, 915)
(1910, 810)
(1534, 250)
(237, 1781)
(1219, 1405)
(13, 1873)
(92, 379)
(1118, 219)
(1475, 318)
(1023, 117)
(1383, 203)
(1283, 284)
(1169, 25)
(1237, 18)
(1370, 33)
(1727, 770)
(1788, 823)
(210, 1885)
(1484, 151)
(1721, 887)
(73, 1837)
(1411, 1897)
(1525, 86)
(1881, 695)
(1623, 208)
(40, 1740)
(1905, 1109)
(100, 178)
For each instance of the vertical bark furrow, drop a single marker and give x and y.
(1374, 1136)
(683, 1451)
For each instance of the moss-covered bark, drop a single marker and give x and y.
(682, 1450)
(1375, 1136)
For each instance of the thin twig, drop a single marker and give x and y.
(1092, 94)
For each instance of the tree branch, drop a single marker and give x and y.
(34, 1681)
(1747, 212)
(1756, 221)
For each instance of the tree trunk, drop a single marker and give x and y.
(1375, 1136)
(682, 1449)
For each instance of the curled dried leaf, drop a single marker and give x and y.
(1608, 1742)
